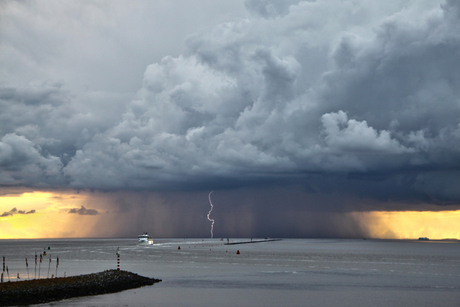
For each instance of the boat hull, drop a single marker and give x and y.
(145, 239)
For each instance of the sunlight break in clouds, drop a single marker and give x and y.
(411, 224)
(50, 218)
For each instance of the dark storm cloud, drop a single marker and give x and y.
(351, 98)
(84, 211)
(16, 211)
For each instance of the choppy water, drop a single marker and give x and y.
(291, 272)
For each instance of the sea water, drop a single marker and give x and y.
(289, 272)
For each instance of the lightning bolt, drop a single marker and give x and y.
(210, 219)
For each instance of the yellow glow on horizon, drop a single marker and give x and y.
(50, 220)
(411, 224)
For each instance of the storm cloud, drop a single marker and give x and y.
(16, 211)
(351, 99)
(83, 211)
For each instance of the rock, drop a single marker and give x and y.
(39, 291)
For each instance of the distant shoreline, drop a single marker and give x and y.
(40, 291)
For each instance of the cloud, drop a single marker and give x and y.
(84, 211)
(23, 162)
(16, 211)
(98, 46)
(337, 96)
(269, 9)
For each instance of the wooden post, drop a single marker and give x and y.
(49, 267)
(27, 266)
(57, 264)
(118, 259)
(39, 265)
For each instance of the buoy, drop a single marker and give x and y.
(178, 248)
(238, 252)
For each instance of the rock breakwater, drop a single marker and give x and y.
(39, 291)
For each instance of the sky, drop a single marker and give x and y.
(305, 118)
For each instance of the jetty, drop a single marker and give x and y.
(40, 291)
(252, 241)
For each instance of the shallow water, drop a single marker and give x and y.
(290, 272)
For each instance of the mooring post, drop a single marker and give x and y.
(27, 266)
(40, 265)
(49, 267)
(118, 259)
(35, 265)
(57, 264)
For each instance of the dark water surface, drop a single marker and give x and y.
(290, 272)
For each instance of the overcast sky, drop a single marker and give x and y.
(288, 110)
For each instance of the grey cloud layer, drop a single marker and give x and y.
(307, 92)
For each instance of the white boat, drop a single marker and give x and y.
(145, 239)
